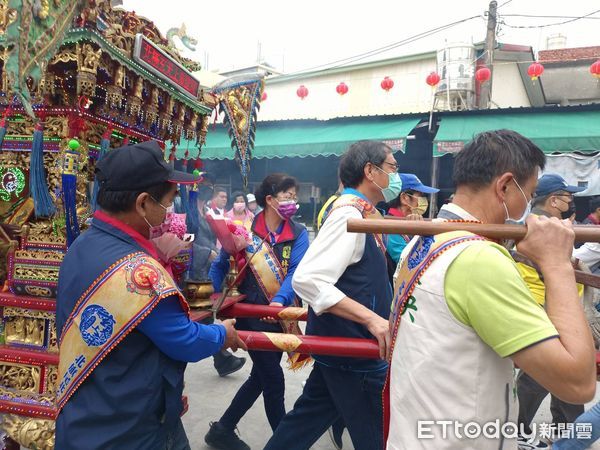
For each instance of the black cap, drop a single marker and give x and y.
(136, 167)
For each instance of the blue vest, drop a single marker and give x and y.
(133, 398)
(367, 283)
(250, 287)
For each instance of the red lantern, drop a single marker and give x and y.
(263, 97)
(535, 70)
(595, 69)
(483, 74)
(433, 79)
(302, 92)
(342, 88)
(387, 83)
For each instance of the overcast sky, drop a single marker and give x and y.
(300, 35)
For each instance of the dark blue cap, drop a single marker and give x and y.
(412, 182)
(551, 182)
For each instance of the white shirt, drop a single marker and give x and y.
(332, 251)
(588, 253)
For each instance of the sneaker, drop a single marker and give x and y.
(229, 365)
(531, 444)
(335, 434)
(223, 439)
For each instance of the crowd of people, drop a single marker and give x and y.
(455, 315)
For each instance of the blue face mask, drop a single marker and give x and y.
(520, 221)
(394, 187)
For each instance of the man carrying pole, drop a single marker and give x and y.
(468, 316)
(343, 277)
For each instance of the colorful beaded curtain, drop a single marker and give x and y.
(240, 102)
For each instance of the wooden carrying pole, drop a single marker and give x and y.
(426, 228)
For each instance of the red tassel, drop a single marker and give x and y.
(77, 125)
(108, 133)
(172, 155)
(198, 164)
(185, 158)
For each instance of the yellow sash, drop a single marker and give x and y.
(367, 210)
(420, 256)
(269, 275)
(104, 314)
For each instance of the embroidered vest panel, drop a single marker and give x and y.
(442, 370)
(150, 399)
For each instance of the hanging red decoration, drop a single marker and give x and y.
(483, 74)
(342, 88)
(185, 158)
(198, 164)
(535, 70)
(387, 83)
(302, 92)
(595, 69)
(433, 79)
(263, 97)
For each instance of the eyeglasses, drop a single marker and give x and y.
(393, 165)
(286, 197)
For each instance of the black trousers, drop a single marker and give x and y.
(531, 394)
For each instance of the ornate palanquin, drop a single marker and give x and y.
(113, 79)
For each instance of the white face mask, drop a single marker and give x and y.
(523, 218)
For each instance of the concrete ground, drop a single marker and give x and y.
(209, 395)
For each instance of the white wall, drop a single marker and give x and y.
(507, 87)
(365, 97)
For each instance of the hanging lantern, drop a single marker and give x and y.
(302, 92)
(483, 74)
(387, 83)
(535, 70)
(342, 88)
(595, 69)
(263, 97)
(433, 79)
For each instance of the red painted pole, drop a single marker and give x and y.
(260, 311)
(312, 345)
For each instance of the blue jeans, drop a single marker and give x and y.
(177, 439)
(331, 393)
(266, 378)
(591, 416)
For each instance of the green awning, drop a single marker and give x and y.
(551, 131)
(309, 138)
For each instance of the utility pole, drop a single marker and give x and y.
(485, 91)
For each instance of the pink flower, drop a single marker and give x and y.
(177, 224)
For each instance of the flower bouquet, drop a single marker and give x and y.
(234, 238)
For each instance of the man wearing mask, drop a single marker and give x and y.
(463, 317)
(553, 198)
(343, 278)
(411, 204)
(124, 331)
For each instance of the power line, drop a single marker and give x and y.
(553, 24)
(408, 40)
(505, 3)
(535, 16)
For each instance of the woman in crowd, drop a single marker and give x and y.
(275, 238)
(240, 214)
